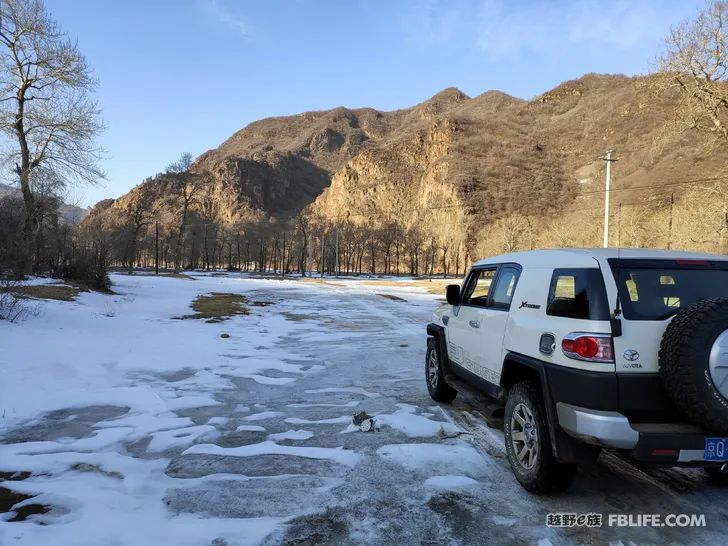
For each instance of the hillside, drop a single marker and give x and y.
(459, 167)
(71, 214)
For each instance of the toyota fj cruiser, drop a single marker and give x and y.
(591, 349)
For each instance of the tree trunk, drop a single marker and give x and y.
(723, 235)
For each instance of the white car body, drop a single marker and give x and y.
(519, 329)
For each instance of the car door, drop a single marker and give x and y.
(495, 321)
(465, 326)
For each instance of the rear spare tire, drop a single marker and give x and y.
(694, 363)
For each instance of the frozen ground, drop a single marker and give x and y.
(120, 424)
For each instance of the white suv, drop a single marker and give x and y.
(592, 348)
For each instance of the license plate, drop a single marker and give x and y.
(716, 449)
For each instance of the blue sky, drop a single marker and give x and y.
(183, 75)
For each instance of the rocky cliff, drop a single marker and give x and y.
(455, 163)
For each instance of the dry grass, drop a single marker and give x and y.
(174, 275)
(169, 274)
(60, 292)
(218, 306)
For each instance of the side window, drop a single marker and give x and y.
(479, 288)
(577, 294)
(505, 286)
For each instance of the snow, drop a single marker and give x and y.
(143, 429)
(351, 404)
(250, 428)
(180, 437)
(330, 420)
(125, 351)
(337, 454)
(139, 388)
(450, 482)
(457, 458)
(412, 425)
(299, 434)
(355, 390)
(262, 416)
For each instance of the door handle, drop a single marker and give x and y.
(475, 323)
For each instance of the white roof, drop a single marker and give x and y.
(587, 257)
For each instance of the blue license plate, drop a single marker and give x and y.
(716, 449)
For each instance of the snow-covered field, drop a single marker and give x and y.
(140, 428)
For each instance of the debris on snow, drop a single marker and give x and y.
(364, 421)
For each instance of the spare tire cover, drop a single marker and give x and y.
(694, 363)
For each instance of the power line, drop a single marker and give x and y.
(665, 184)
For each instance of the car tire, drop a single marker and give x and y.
(438, 388)
(716, 475)
(694, 378)
(528, 442)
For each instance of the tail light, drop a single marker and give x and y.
(588, 346)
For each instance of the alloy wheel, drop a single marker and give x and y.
(524, 437)
(433, 368)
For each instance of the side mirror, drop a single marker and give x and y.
(452, 294)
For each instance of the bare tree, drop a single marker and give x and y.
(189, 185)
(45, 109)
(695, 63)
(11, 304)
(138, 212)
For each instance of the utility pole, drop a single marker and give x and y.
(323, 247)
(283, 269)
(156, 248)
(669, 229)
(310, 255)
(607, 183)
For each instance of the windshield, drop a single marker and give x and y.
(658, 289)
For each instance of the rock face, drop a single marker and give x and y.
(281, 165)
(455, 162)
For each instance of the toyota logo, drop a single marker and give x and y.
(631, 355)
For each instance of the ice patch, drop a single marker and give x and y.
(100, 439)
(457, 458)
(351, 404)
(145, 424)
(250, 428)
(336, 454)
(181, 437)
(412, 425)
(265, 380)
(187, 402)
(505, 522)
(291, 435)
(450, 482)
(355, 390)
(263, 415)
(299, 421)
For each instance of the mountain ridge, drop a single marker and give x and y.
(456, 164)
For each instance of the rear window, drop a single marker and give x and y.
(578, 294)
(657, 289)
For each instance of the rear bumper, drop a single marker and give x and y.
(661, 443)
(598, 427)
(640, 397)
